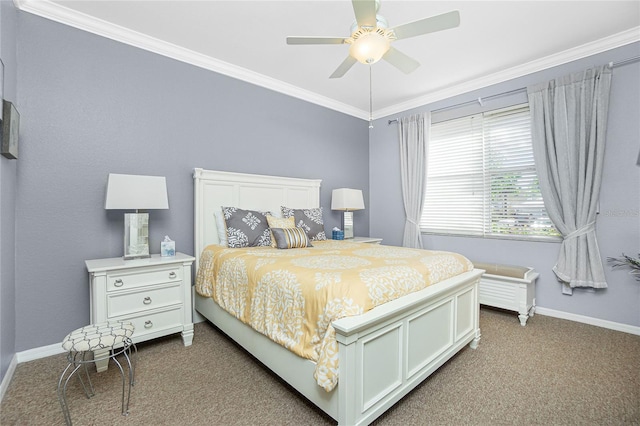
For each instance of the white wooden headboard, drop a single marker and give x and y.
(214, 189)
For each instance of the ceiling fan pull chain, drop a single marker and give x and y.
(370, 100)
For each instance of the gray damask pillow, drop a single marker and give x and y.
(246, 228)
(308, 219)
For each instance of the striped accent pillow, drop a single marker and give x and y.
(279, 222)
(287, 238)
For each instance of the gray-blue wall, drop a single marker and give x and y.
(91, 106)
(8, 172)
(618, 225)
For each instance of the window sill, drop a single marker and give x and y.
(536, 239)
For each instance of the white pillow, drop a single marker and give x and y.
(222, 228)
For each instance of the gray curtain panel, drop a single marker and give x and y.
(569, 124)
(413, 134)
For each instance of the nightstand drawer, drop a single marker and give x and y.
(140, 277)
(154, 323)
(143, 300)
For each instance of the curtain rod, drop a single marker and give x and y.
(515, 91)
(475, 101)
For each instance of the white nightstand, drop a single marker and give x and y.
(153, 293)
(370, 240)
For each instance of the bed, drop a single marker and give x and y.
(383, 353)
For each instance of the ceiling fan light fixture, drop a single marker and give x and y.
(368, 46)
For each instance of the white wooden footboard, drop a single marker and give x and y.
(388, 351)
(383, 354)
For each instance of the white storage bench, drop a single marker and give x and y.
(509, 287)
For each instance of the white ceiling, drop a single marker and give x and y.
(496, 41)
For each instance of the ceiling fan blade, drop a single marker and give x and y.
(428, 25)
(404, 63)
(365, 11)
(315, 40)
(344, 67)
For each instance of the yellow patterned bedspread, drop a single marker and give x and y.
(292, 296)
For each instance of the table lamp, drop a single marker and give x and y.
(347, 200)
(136, 192)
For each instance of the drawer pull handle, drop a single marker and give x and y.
(172, 275)
(118, 283)
(147, 300)
(148, 324)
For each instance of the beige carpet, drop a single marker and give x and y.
(551, 372)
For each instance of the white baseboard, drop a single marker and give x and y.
(626, 328)
(41, 352)
(8, 376)
(24, 356)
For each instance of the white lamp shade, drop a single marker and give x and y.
(370, 47)
(136, 192)
(347, 199)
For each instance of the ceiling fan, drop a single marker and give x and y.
(371, 38)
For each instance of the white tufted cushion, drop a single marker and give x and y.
(98, 336)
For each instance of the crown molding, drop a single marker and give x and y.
(70, 17)
(617, 40)
(64, 15)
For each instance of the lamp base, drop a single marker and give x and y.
(347, 224)
(136, 236)
(131, 257)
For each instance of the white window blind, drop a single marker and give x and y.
(481, 178)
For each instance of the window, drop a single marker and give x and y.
(481, 178)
